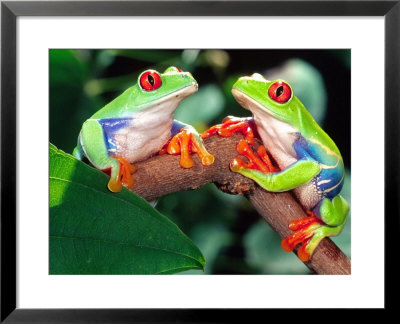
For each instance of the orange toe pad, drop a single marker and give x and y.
(186, 142)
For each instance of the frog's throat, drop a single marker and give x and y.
(249, 103)
(276, 134)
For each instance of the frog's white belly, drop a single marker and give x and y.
(147, 133)
(140, 141)
(278, 138)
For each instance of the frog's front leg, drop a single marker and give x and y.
(246, 126)
(93, 144)
(185, 140)
(297, 174)
(231, 125)
(328, 219)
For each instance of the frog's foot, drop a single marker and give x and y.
(185, 142)
(311, 230)
(123, 177)
(262, 152)
(259, 161)
(231, 125)
(307, 232)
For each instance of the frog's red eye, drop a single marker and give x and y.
(179, 70)
(150, 80)
(280, 92)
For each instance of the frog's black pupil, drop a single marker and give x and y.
(279, 91)
(150, 79)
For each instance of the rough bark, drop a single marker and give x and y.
(162, 175)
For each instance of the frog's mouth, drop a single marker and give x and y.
(181, 93)
(187, 91)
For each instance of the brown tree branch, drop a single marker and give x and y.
(162, 175)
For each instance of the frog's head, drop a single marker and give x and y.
(154, 89)
(266, 98)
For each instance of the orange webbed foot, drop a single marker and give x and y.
(186, 142)
(231, 125)
(304, 230)
(124, 176)
(256, 161)
(262, 152)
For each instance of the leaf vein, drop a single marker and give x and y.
(124, 243)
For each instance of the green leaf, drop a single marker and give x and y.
(94, 231)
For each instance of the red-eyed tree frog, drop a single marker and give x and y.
(140, 123)
(309, 161)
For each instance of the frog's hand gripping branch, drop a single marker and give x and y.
(185, 140)
(232, 125)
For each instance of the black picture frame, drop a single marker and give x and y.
(11, 10)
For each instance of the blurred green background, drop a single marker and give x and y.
(229, 232)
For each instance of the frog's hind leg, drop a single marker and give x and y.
(93, 144)
(327, 219)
